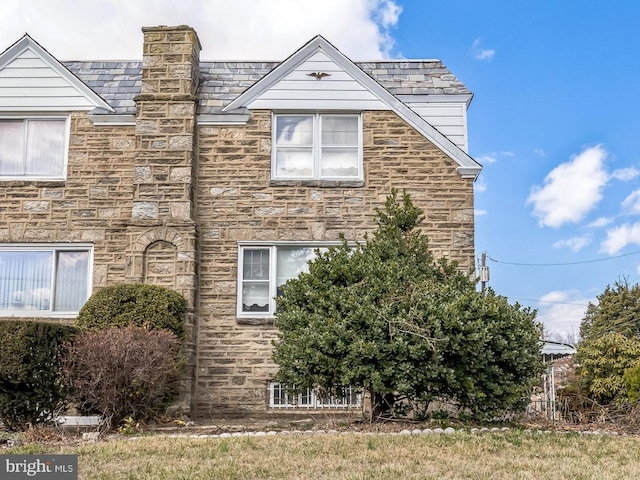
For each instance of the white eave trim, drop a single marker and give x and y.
(111, 120)
(224, 119)
(468, 167)
(26, 42)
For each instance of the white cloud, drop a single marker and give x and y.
(238, 30)
(479, 213)
(619, 237)
(487, 159)
(631, 204)
(600, 222)
(480, 185)
(575, 244)
(507, 154)
(481, 53)
(570, 190)
(539, 152)
(625, 174)
(561, 313)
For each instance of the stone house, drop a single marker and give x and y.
(216, 179)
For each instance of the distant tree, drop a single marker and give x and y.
(603, 362)
(610, 347)
(617, 311)
(386, 317)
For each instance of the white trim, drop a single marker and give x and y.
(54, 248)
(224, 119)
(111, 120)
(469, 168)
(65, 159)
(28, 43)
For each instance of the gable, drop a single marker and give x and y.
(290, 87)
(33, 80)
(318, 83)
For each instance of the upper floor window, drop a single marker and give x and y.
(33, 148)
(41, 280)
(319, 146)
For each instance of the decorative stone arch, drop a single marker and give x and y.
(150, 253)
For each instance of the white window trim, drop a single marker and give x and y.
(316, 146)
(53, 247)
(65, 160)
(273, 249)
(314, 401)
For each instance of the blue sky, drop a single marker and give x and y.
(553, 119)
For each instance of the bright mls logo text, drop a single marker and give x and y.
(51, 467)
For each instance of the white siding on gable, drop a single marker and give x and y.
(28, 83)
(450, 119)
(300, 91)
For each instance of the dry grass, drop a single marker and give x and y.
(506, 455)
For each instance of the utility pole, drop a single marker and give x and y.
(484, 272)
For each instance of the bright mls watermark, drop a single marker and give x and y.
(50, 467)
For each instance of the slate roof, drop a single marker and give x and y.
(118, 83)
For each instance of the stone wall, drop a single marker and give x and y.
(237, 202)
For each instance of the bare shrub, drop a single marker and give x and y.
(124, 372)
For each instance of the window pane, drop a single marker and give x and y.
(45, 147)
(25, 280)
(292, 262)
(294, 130)
(255, 264)
(11, 147)
(294, 162)
(255, 297)
(72, 277)
(339, 130)
(339, 162)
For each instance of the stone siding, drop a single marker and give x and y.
(236, 202)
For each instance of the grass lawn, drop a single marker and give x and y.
(514, 454)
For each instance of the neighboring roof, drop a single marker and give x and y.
(51, 85)
(557, 348)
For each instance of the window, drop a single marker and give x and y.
(33, 148)
(44, 280)
(347, 397)
(326, 147)
(263, 269)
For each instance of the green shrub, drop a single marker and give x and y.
(121, 373)
(631, 379)
(32, 389)
(140, 304)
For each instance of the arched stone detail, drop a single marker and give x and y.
(136, 261)
(160, 264)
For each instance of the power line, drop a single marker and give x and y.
(524, 264)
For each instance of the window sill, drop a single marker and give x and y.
(21, 182)
(317, 183)
(255, 321)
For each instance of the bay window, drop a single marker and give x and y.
(33, 148)
(44, 280)
(317, 146)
